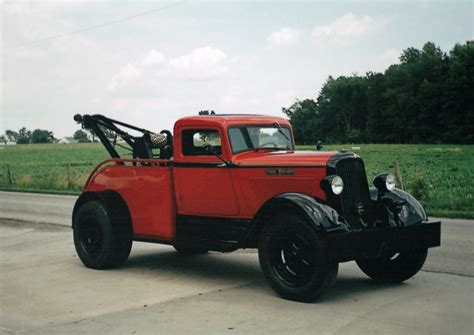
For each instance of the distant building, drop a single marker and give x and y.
(68, 140)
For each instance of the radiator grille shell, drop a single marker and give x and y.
(355, 194)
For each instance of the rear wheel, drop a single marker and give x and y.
(101, 240)
(293, 258)
(393, 267)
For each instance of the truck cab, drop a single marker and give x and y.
(222, 162)
(225, 182)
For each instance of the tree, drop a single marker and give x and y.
(41, 136)
(304, 120)
(81, 136)
(427, 98)
(458, 95)
(11, 135)
(342, 108)
(24, 136)
(3, 138)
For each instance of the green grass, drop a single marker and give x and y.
(44, 166)
(440, 176)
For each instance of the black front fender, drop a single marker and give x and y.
(320, 215)
(410, 213)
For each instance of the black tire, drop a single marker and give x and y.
(393, 267)
(189, 249)
(294, 260)
(102, 241)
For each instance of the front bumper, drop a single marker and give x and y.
(350, 246)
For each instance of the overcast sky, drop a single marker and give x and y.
(240, 57)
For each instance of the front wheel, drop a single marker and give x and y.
(393, 267)
(293, 258)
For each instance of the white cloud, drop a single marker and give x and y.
(127, 74)
(201, 63)
(347, 26)
(153, 58)
(284, 37)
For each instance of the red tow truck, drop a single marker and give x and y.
(224, 182)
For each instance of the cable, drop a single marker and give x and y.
(97, 26)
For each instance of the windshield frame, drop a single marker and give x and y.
(266, 125)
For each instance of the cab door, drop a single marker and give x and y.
(203, 183)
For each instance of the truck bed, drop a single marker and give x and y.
(147, 188)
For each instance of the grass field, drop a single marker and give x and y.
(441, 176)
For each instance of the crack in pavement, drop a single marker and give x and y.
(447, 272)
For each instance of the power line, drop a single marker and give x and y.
(97, 26)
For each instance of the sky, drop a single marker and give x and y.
(149, 63)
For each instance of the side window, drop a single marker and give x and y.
(195, 139)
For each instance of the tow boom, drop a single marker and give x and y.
(141, 146)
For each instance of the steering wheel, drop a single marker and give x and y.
(273, 145)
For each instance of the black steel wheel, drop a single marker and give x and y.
(393, 267)
(293, 258)
(101, 240)
(90, 236)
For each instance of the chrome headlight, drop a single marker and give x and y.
(384, 182)
(333, 184)
(337, 185)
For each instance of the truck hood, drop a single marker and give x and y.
(283, 158)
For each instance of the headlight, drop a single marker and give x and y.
(384, 182)
(333, 184)
(337, 185)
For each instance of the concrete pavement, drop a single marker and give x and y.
(456, 254)
(46, 290)
(36, 207)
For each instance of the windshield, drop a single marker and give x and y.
(273, 137)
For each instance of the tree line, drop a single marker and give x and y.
(25, 136)
(427, 98)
